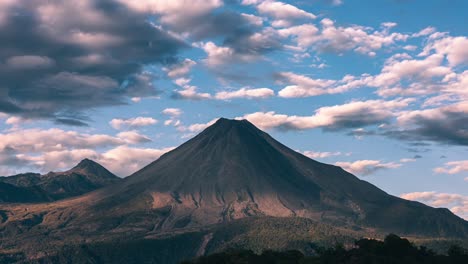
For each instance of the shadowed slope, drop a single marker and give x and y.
(233, 170)
(84, 177)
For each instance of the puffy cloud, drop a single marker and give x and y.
(133, 137)
(283, 14)
(180, 69)
(173, 112)
(304, 86)
(189, 91)
(125, 160)
(423, 76)
(304, 35)
(245, 93)
(453, 167)
(351, 115)
(56, 149)
(76, 56)
(177, 13)
(447, 124)
(140, 121)
(366, 167)
(197, 127)
(454, 48)
(122, 160)
(331, 38)
(219, 55)
(37, 140)
(457, 203)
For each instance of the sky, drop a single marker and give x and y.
(379, 88)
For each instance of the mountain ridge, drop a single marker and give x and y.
(230, 172)
(86, 176)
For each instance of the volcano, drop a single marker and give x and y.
(230, 172)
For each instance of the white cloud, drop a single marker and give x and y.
(350, 115)
(197, 127)
(189, 91)
(37, 140)
(283, 14)
(303, 86)
(174, 12)
(453, 167)
(331, 38)
(406, 160)
(245, 93)
(454, 48)
(125, 160)
(366, 167)
(119, 124)
(133, 137)
(457, 203)
(320, 155)
(180, 69)
(173, 112)
(122, 160)
(219, 55)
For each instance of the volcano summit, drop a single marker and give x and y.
(229, 177)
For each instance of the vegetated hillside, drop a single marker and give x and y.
(85, 177)
(392, 249)
(12, 194)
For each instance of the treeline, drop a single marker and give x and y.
(393, 250)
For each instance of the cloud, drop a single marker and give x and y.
(245, 93)
(28, 62)
(446, 124)
(219, 55)
(320, 155)
(99, 47)
(283, 14)
(56, 149)
(180, 69)
(173, 112)
(122, 160)
(330, 38)
(189, 91)
(304, 86)
(457, 203)
(125, 160)
(197, 127)
(339, 117)
(453, 167)
(37, 140)
(454, 48)
(140, 121)
(133, 137)
(366, 167)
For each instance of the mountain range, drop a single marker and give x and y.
(232, 185)
(33, 187)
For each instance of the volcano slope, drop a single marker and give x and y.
(230, 172)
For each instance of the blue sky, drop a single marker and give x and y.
(377, 87)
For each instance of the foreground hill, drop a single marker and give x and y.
(230, 173)
(32, 187)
